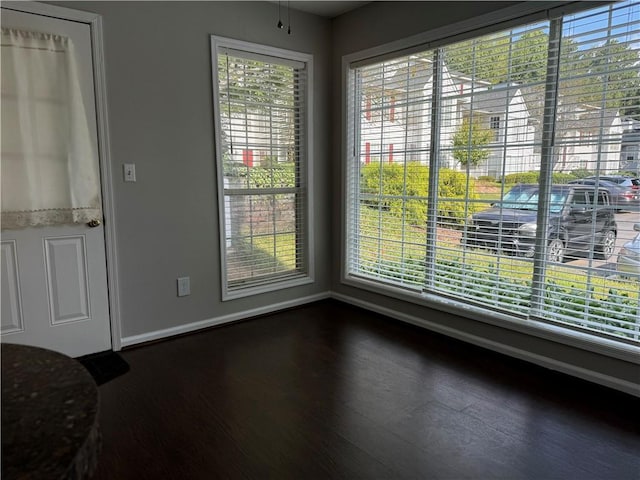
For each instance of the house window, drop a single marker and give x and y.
(494, 125)
(392, 109)
(430, 234)
(261, 99)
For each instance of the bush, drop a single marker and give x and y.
(612, 310)
(558, 177)
(534, 177)
(487, 179)
(522, 177)
(282, 175)
(403, 191)
(581, 173)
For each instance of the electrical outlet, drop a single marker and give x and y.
(129, 171)
(184, 286)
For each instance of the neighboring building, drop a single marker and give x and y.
(630, 149)
(504, 112)
(588, 137)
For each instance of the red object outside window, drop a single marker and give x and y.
(247, 157)
(367, 153)
(391, 153)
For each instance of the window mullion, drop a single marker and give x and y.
(434, 167)
(546, 164)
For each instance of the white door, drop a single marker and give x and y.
(54, 280)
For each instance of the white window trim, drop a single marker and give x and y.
(470, 28)
(218, 43)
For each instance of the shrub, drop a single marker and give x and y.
(559, 177)
(581, 173)
(403, 191)
(522, 177)
(534, 177)
(611, 310)
(282, 175)
(487, 179)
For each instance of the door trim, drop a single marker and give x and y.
(104, 153)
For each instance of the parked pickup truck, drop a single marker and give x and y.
(580, 220)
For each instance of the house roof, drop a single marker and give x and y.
(495, 100)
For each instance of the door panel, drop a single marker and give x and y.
(67, 279)
(11, 299)
(54, 280)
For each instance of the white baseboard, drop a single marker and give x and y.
(211, 322)
(550, 363)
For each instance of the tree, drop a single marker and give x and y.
(469, 143)
(501, 58)
(484, 58)
(529, 57)
(614, 66)
(257, 106)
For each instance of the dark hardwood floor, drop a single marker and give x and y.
(332, 391)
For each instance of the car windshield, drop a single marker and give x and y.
(519, 198)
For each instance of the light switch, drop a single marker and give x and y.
(129, 172)
(184, 286)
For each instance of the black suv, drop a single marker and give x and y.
(510, 225)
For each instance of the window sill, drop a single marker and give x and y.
(267, 287)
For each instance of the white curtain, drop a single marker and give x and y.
(49, 166)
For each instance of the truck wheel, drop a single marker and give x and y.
(607, 245)
(555, 251)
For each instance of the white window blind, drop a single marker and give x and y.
(261, 114)
(483, 188)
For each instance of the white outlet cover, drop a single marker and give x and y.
(184, 286)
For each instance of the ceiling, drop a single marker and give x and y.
(328, 9)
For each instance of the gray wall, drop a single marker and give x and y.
(160, 116)
(158, 68)
(383, 22)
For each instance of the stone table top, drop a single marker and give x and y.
(49, 415)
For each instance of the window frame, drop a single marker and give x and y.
(482, 25)
(305, 167)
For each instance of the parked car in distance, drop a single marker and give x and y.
(510, 225)
(629, 255)
(621, 180)
(624, 192)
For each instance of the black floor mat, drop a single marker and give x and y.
(104, 366)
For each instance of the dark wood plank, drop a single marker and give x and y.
(332, 391)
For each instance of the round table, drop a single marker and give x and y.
(49, 415)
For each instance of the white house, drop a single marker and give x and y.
(502, 109)
(396, 122)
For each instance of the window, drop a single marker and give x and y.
(261, 100)
(494, 125)
(496, 226)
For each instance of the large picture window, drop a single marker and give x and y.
(503, 181)
(261, 98)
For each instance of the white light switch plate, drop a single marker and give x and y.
(129, 171)
(184, 286)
